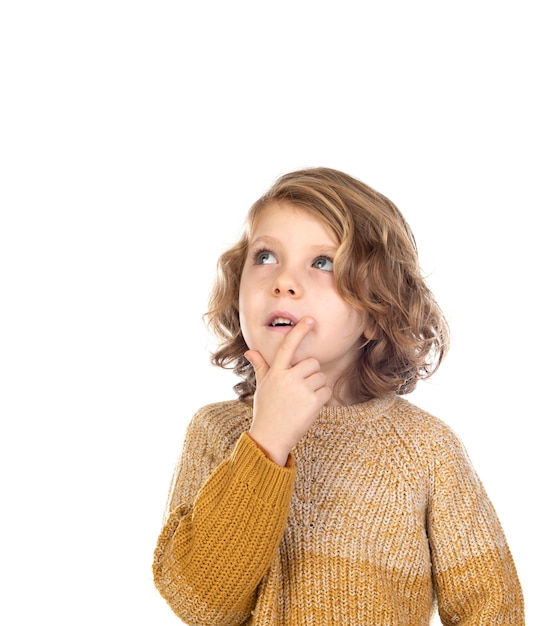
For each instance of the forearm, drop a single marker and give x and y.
(484, 590)
(210, 559)
(475, 575)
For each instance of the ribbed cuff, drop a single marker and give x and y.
(267, 480)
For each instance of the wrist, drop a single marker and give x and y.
(276, 452)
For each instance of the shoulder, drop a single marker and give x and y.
(227, 411)
(418, 422)
(433, 440)
(427, 434)
(421, 422)
(224, 420)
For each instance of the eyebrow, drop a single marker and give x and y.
(272, 241)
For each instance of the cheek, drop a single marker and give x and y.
(244, 292)
(346, 316)
(246, 302)
(247, 312)
(352, 324)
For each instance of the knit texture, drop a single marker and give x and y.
(378, 517)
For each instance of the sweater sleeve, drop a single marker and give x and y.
(217, 544)
(474, 574)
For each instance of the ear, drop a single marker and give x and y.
(371, 329)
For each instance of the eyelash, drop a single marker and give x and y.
(326, 258)
(258, 253)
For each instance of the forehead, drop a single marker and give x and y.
(283, 217)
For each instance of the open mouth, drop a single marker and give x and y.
(281, 321)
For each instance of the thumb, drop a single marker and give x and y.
(259, 364)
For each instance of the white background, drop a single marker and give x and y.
(134, 137)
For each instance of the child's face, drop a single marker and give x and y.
(288, 275)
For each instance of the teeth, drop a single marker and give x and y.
(282, 321)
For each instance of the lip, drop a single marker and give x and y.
(284, 314)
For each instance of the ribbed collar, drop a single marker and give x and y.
(356, 412)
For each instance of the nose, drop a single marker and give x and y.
(285, 283)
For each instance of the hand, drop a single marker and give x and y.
(288, 397)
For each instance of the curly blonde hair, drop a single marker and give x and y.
(376, 271)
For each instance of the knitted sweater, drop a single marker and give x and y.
(377, 517)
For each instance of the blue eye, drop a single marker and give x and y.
(323, 263)
(265, 257)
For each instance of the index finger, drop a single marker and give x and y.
(290, 343)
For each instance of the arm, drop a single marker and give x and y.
(213, 552)
(474, 574)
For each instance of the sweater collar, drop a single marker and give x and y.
(357, 412)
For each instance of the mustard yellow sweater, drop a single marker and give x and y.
(378, 513)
